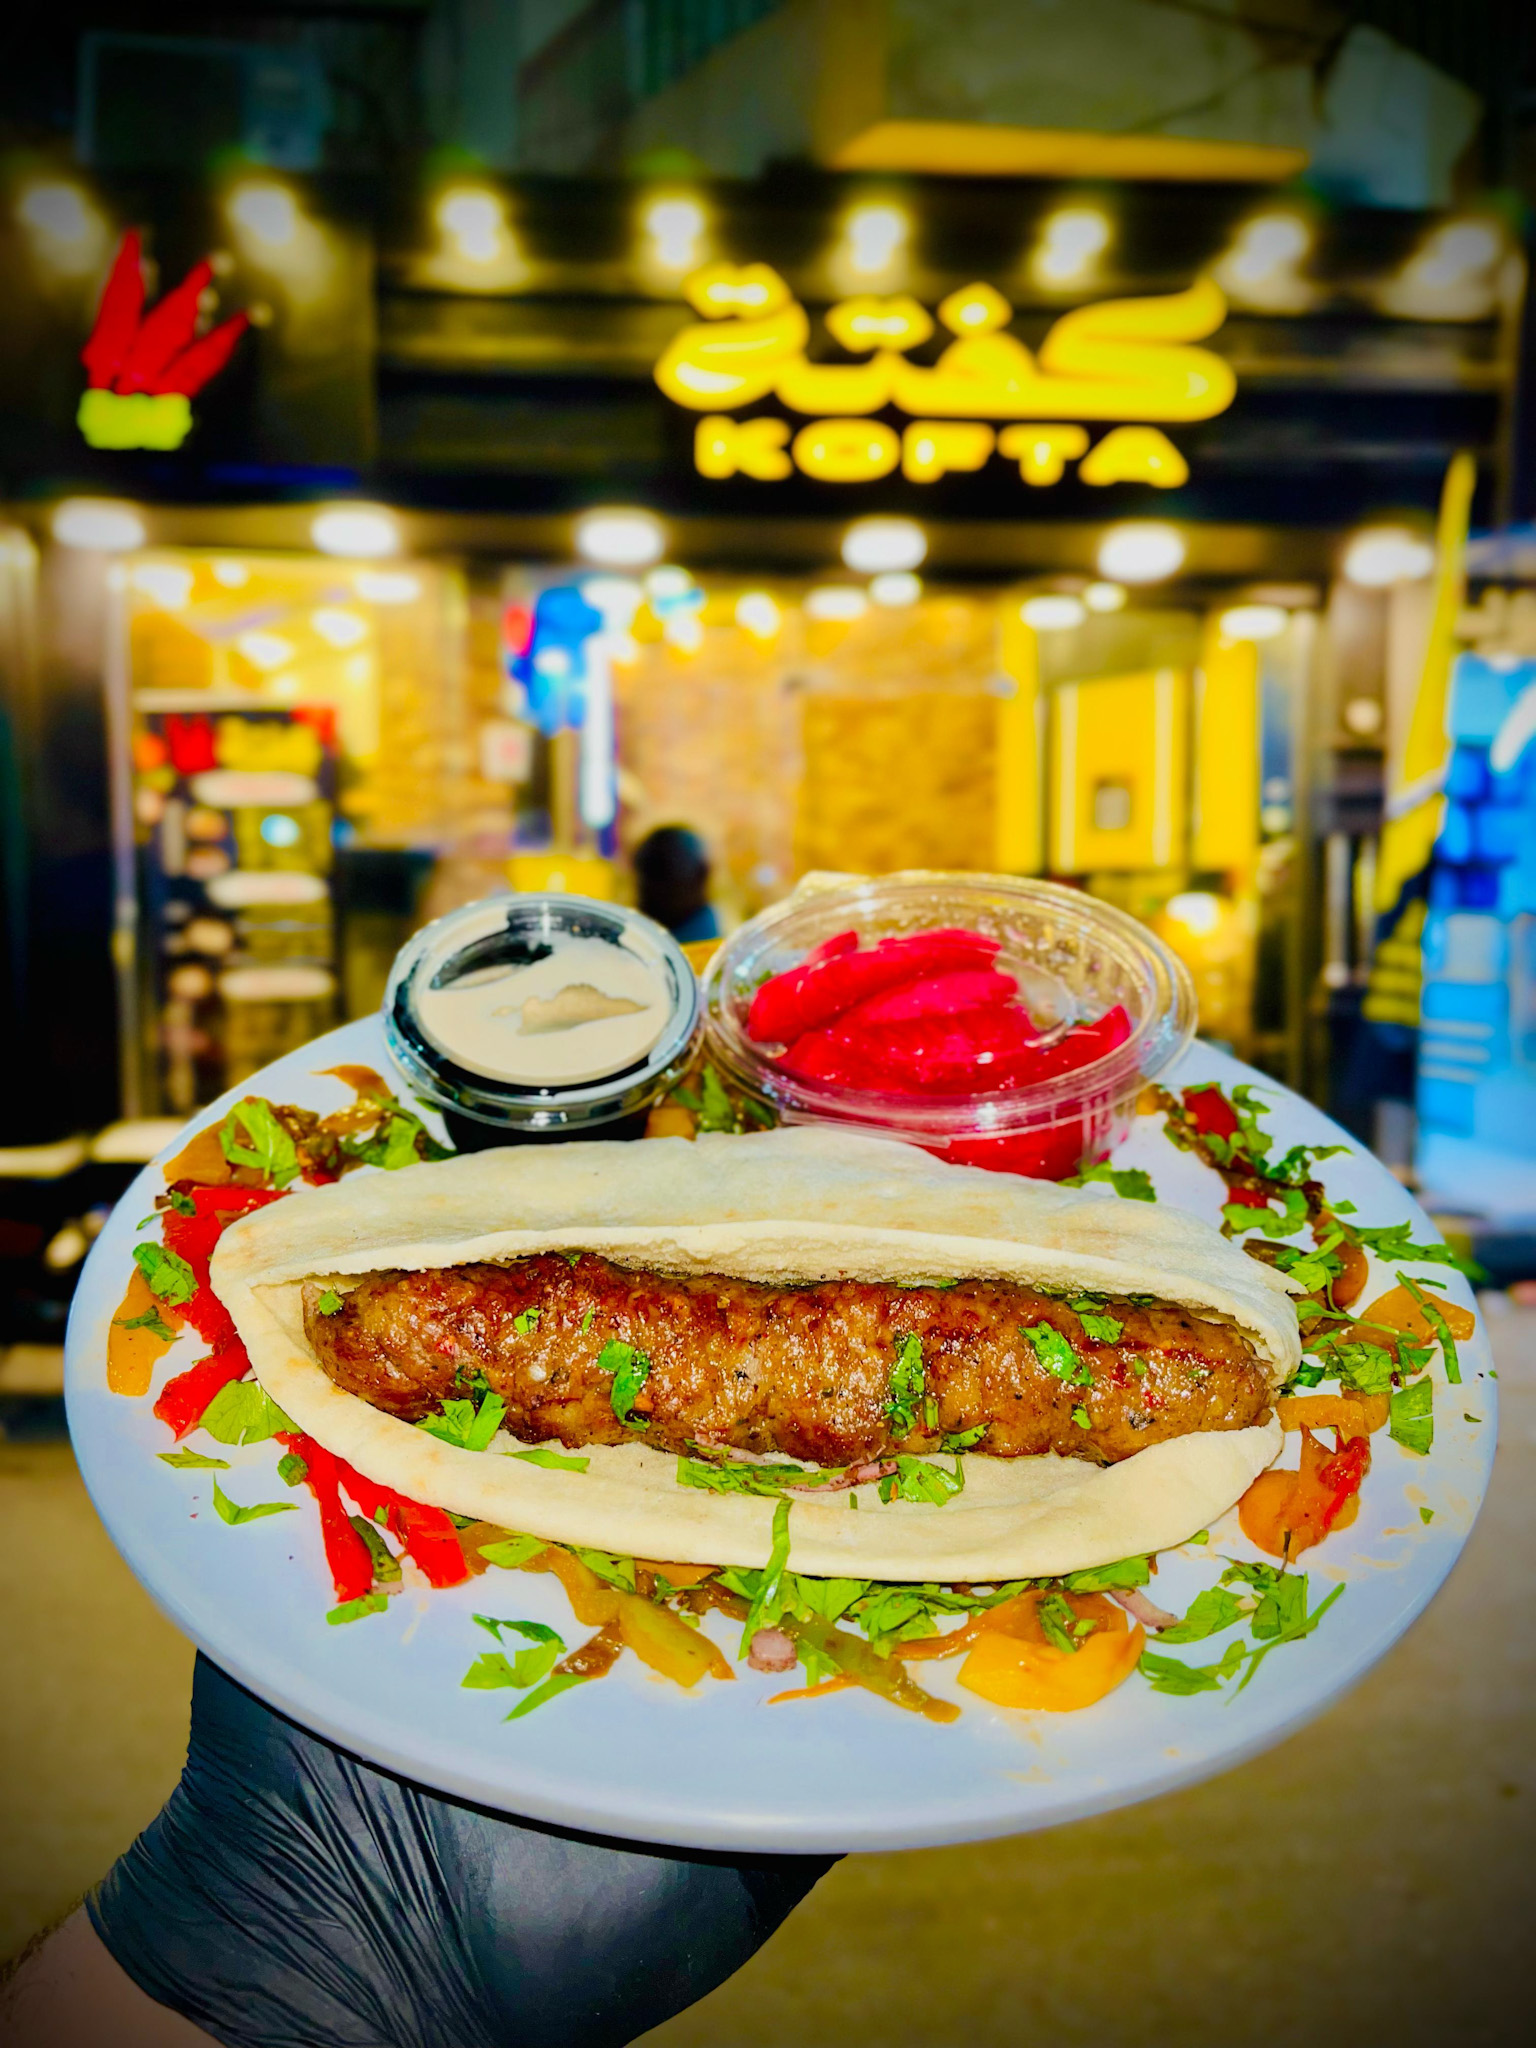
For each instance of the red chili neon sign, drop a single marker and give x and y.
(145, 367)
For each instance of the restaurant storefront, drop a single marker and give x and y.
(987, 525)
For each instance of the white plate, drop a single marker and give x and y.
(718, 1768)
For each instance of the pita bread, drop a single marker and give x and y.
(788, 1206)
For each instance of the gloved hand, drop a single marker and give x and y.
(291, 1896)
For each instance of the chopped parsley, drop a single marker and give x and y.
(464, 1425)
(963, 1439)
(329, 1303)
(1057, 1355)
(586, 1321)
(231, 1512)
(527, 1321)
(1062, 1627)
(511, 1551)
(1394, 1243)
(192, 1461)
(767, 1600)
(151, 1320)
(292, 1469)
(252, 1135)
(1130, 1183)
(916, 1480)
(358, 1610)
(242, 1412)
(493, 1669)
(1082, 1418)
(386, 1565)
(1426, 1515)
(1173, 1675)
(1125, 1572)
(1210, 1612)
(1101, 1328)
(908, 1386)
(552, 1461)
(1411, 1419)
(557, 1683)
(1441, 1328)
(631, 1369)
(169, 1278)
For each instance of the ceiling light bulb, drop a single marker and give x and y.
(475, 222)
(1140, 551)
(266, 211)
(620, 538)
(386, 586)
(667, 584)
(836, 601)
(676, 228)
(265, 650)
(1253, 622)
(757, 614)
(339, 628)
(1070, 245)
(875, 234)
(871, 545)
(169, 584)
(103, 524)
(1104, 597)
(1053, 614)
(1384, 555)
(358, 531)
(895, 588)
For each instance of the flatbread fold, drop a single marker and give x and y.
(787, 1206)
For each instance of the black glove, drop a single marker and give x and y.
(291, 1896)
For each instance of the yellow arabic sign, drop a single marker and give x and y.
(1117, 360)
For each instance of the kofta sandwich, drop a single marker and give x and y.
(953, 1375)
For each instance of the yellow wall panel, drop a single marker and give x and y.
(1018, 818)
(1226, 821)
(1119, 767)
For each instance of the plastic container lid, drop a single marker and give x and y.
(1074, 959)
(542, 1013)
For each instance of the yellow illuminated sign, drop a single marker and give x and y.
(1119, 359)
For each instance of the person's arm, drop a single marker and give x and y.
(70, 1994)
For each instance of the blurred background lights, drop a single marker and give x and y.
(1383, 555)
(1071, 244)
(1253, 622)
(473, 222)
(618, 598)
(1196, 910)
(757, 614)
(1363, 715)
(1458, 251)
(278, 829)
(876, 235)
(230, 575)
(895, 588)
(266, 211)
(836, 601)
(105, 524)
(683, 630)
(667, 584)
(620, 538)
(872, 545)
(676, 231)
(1053, 613)
(1141, 551)
(67, 229)
(265, 650)
(1104, 597)
(167, 584)
(386, 586)
(1261, 264)
(338, 628)
(356, 530)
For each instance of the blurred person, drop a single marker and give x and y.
(289, 1893)
(672, 870)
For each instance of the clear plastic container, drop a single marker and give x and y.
(1073, 957)
(501, 1078)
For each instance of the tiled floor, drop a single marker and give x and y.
(1372, 1881)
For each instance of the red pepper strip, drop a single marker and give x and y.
(830, 949)
(1050, 1154)
(190, 371)
(815, 993)
(166, 331)
(193, 1238)
(117, 318)
(427, 1534)
(934, 995)
(1248, 1198)
(1210, 1112)
(943, 1055)
(184, 1399)
(349, 1558)
(1341, 1475)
